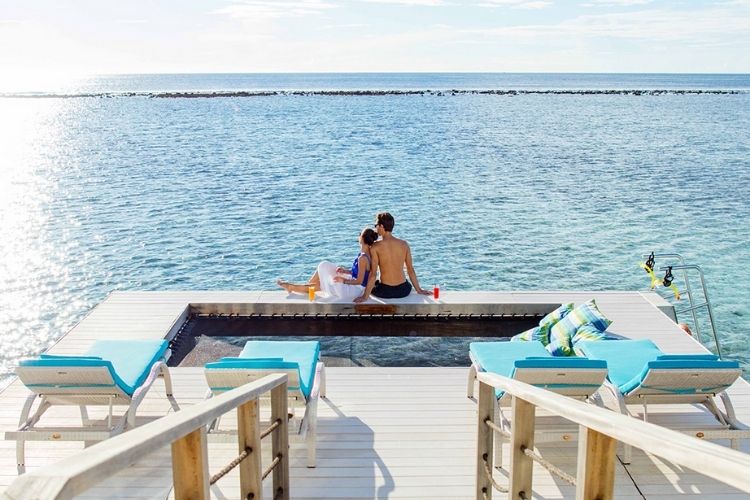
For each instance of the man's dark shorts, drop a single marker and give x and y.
(391, 292)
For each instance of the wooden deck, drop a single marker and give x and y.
(383, 432)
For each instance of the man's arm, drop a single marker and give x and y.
(413, 273)
(373, 271)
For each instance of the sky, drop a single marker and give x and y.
(77, 37)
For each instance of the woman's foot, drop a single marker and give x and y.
(285, 285)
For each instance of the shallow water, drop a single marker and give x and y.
(493, 193)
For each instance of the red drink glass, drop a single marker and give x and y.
(436, 291)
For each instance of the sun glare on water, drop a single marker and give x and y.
(29, 272)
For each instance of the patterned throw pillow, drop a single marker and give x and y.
(584, 333)
(561, 335)
(552, 318)
(541, 332)
(531, 335)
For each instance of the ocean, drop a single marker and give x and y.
(555, 182)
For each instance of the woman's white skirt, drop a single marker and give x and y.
(343, 291)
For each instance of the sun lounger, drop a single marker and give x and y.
(111, 373)
(639, 372)
(299, 360)
(530, 362)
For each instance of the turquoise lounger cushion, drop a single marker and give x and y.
(242, 360)
(630, 360)
(625, 358)
(680, 364)
(304, 352)
(561, 334)
(499, 357)
(131, 359)
(128, 361)
(541, 333)
(586, 333)
(504, 358)
(674, 357)
(65, 356)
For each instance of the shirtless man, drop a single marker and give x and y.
(389, 255)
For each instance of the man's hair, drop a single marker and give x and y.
(386, 220)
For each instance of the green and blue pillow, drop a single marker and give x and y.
(541, 333)
(562, 333)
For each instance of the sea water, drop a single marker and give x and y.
(120, 190)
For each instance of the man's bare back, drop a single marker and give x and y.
(391, 257)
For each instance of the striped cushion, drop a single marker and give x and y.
(535, 334)
(541, 333)
(561, 334)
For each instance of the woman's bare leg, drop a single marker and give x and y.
(299, 287)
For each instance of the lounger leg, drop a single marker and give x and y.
(470, 384)
(322, 369)
(84, 415)
(23, 422)
(627, 449)
(731, 418)
(21, 455)
(167, 379)
(311, 415)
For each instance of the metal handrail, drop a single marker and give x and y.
(600, 429)
(689, 293)
(186, 428)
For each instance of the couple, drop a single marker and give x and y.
(387, 255)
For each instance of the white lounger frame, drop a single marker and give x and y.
(655, 389)
(308, 423)
(81, 386)
(539, 377)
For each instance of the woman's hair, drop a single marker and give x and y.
(368, 236)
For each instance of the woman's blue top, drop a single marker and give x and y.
(355, 268)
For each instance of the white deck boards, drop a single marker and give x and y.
(383, 432)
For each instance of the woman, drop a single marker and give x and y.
(340, 282)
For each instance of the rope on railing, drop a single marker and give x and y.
(276, 461)
(271, 428)
(246, 453)
(548, 465)
(499, 487)
(231, 465)
(492, 425)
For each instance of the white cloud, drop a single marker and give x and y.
(517, 4)
(615, 3)
(424, 3)
(262, 9)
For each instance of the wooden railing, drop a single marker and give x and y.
(185, 432)
(599, 432)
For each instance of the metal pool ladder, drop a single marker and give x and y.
(688, 292)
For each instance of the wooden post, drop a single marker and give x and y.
(596, 465)
(190, 466)
(248, 435)
(280, 440)
(485, 410)
(522, 436)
